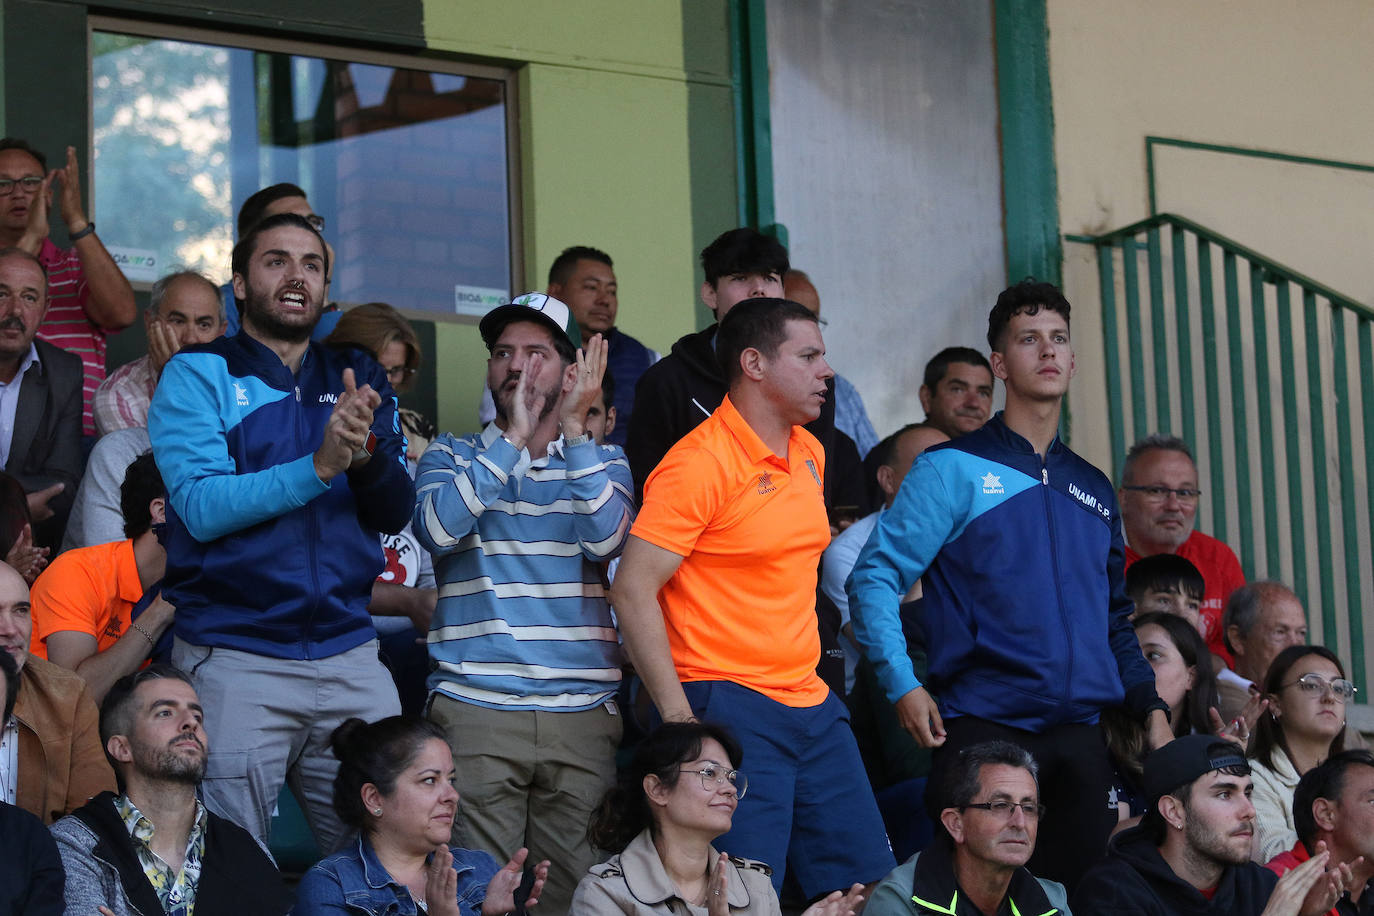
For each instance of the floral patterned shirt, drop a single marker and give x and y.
(176, 890)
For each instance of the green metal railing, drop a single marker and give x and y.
(1258, 379)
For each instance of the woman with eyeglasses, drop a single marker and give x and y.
(381, 331)
(677, 795)
(1305, 724)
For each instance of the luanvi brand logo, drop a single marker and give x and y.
(992, 484)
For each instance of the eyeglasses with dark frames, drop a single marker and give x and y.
(1157, 494)
(1006, 809)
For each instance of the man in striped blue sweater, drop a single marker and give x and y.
(520, 518)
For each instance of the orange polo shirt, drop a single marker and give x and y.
(89, 590)
(750, 526)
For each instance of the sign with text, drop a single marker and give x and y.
(140, 265)
(477, 300)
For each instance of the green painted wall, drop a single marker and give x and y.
(627, 145)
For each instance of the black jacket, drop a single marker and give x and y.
(31, 877)
(236, 876)
(1135, 879)
(45, 445)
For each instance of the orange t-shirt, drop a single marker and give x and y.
(89, 590)
(750, 526)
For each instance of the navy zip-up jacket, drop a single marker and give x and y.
(1021, 563)
(262, 555)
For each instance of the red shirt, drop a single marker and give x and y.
(66, 324)
(1222, 575)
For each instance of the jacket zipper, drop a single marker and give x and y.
(312, 535)
(1058, 581)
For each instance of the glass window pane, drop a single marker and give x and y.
(408, 167)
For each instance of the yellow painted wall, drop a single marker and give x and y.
(1281, 75)
(627, 145)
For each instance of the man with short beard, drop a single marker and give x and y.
(283, 460)
(1191, 852)
(153, 848)
(519, 518)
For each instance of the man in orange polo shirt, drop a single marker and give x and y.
(716, 601)
(83, 603)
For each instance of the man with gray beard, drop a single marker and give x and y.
(153, 847)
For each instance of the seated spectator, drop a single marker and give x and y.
(1332, 810)
(1159, 496)
(1167, 583)
(50, 758)
(677, 795)
(851, 417)
(990, 810)
(1191, 853)
(896, 454)
(1184, 680)
(83, 605)
(153, 847)
(272, 201)
(16, 532)
(97, 517)
(395, 787)
(31, 874)
(184, 308)
(40, 397)
(88, 295)
(1261, 620)
(403, 597)
(1307, 693)
(956, 391)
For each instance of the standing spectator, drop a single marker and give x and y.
(1333, 807)
(851, 418)
(40, 399)
(272, 201)
(1307, 693)
(31, 875)
(184, 308)
(1159, 495)
(584, 278)
(1017, 546)
(88, 296)
(519, 518)
(956, 391)
(153, 847)
(283, 461)
(50, 758)
(716, 598)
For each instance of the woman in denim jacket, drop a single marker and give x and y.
(395, 785)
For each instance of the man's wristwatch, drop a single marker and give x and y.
(577, 440)
(90, 227)
(368, 448)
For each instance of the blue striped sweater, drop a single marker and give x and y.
(522, 620)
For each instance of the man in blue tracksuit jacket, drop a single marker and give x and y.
(283, 460)
(1018, 548)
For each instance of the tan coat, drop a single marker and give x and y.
(61, 762)
(635, 884)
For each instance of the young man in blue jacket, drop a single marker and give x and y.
(283, 460)
(1018, 548)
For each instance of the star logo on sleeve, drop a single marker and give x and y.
(992, 484)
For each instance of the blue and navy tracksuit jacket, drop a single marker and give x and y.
(1021, 563)
(262, 555)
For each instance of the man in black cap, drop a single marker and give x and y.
(526, 663)
(1191, 852)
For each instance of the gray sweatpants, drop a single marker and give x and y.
(268, 720)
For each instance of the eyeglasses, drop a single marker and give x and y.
(315, 220)
(399, 373)
(1005, 809)
(713, 777)
(1160, 494)
(1314, 685)
(29, 184)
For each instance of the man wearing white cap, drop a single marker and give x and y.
(519, 518)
